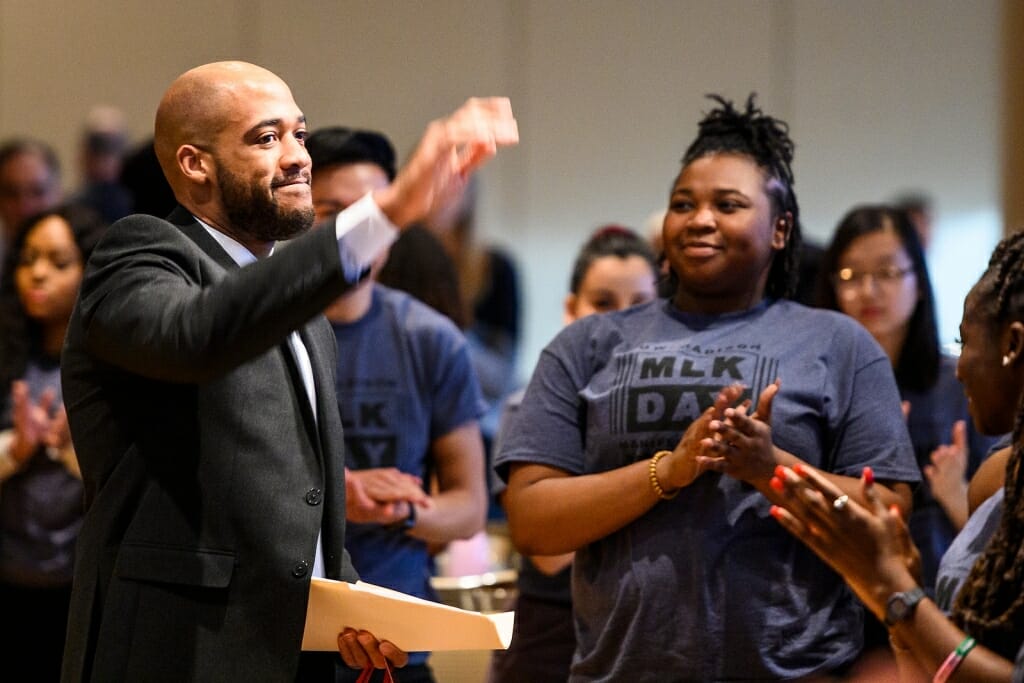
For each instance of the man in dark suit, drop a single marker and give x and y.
(198, 381)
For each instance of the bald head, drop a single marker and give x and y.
(200, 104)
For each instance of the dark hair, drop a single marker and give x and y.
(917, 367)
(990, 604)
(18, 146)
(766, 141)
(144, 179)
(339, 145)
(20, 336)
(610, 240)
(418, 264)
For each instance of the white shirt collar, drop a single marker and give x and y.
(238, 253)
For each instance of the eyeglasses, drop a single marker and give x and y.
(849, 280)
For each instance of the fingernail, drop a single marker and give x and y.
(775, 511)
(895, 509)
(799, 469)
(780, 471)
(777, 484)
(869, 476)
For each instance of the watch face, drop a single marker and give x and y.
(901, 605)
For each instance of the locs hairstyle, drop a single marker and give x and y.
(764, 139)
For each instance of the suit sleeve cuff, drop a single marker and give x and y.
(363, 233)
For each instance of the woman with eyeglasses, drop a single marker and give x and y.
(874, 271)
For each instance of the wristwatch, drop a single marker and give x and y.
(901, 605)
(410, 519)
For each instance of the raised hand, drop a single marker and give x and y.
(450, 150)
(947, 475)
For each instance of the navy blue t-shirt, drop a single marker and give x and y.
(707, 586)
(404, 379)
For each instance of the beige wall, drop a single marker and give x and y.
(1013, 115)
(881, 95)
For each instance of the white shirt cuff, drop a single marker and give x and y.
(363, 233)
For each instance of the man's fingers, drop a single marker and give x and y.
(350, 650)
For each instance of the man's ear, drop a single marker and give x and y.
(195, 164)
(783, 226)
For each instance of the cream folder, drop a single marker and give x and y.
(412, 624)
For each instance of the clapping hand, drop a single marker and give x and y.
(740, 444)
(37, 425)
(869, 545)
(947, 475)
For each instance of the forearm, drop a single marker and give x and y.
(546, 515)
(931, 636)
(453, 515)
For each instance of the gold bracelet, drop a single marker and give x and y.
(652, 474)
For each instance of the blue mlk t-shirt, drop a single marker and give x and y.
(404, 379)
(707, 586)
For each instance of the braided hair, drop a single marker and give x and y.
(765, 140)
(990, 605)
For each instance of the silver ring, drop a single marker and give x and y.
(840, 502)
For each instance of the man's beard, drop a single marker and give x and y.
(252, 210)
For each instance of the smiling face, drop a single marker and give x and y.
(231, 142)
(262, 168)
(721, 234)
(49, 272)
(876, 284)
(612, 283)
(993, 388)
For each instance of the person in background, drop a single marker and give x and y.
(680, 572)
(30, 183)
(920, 208)
(102, 150)
(409, 402)
(615, 269)
(489, 289)
(40, 484)
(419, 264)
(870, 546)
(874, 271)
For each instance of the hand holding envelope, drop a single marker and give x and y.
(411, 623)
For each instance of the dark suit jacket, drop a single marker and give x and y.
(207, 479)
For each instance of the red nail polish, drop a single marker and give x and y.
(777, 484)
(775, 511)
(869, 476)
(799, 469)
(780, 471)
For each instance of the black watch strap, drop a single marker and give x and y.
(900, 606)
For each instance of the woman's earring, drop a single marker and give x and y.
(1006, 360)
